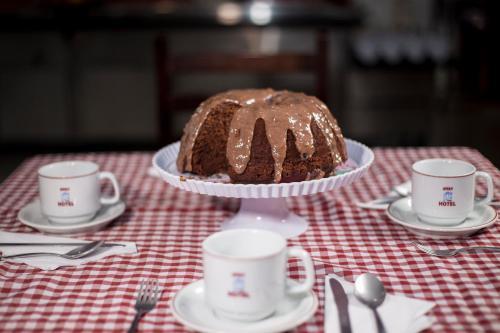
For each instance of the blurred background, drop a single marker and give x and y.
(113, 75)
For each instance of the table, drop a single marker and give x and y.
(169, 225)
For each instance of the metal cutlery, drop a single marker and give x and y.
(379, 204)
(58, 244)
(403, 189)
(397, 192)
(369, 290)
(341, 300)
(77, 253)
(147, 296)
(452, 252)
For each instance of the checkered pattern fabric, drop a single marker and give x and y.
(169, 225)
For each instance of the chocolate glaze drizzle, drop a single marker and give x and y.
(281, 111)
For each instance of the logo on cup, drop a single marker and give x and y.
(65, 200)
(447, 197)
(238, 286)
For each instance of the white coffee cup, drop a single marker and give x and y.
(70, 191)
(244, 272)
(443, 190)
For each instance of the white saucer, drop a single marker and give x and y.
(31, 215)
(189, 307)
(400, 211)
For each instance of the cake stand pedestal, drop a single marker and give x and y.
(269, 214)
(263, 206)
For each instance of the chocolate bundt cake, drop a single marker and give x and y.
(262, 136)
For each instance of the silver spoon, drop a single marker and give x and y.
(404, 189)
(370, 291)
(76, 253)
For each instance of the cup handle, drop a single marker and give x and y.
(297, 252)
(489, 184)
(116, 197)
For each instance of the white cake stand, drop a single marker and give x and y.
(263, 206)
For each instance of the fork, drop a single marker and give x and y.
(451, 253)
(147, 296)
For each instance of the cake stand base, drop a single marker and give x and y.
(269, 214)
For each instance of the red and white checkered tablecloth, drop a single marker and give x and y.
(169, 225)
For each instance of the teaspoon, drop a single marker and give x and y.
(370, 291)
